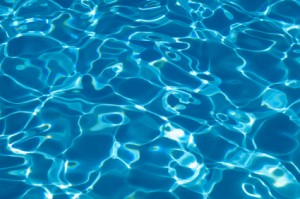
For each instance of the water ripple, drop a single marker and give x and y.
(149, 99)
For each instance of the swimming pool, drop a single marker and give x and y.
(143, 99)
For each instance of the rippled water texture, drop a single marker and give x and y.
(145, 99)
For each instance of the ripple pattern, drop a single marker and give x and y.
(143, 99)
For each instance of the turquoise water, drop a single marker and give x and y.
(145, 99)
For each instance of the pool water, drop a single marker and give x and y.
(145, 99)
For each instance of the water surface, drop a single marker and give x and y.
(143, 99)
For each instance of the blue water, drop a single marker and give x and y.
(149, 99)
